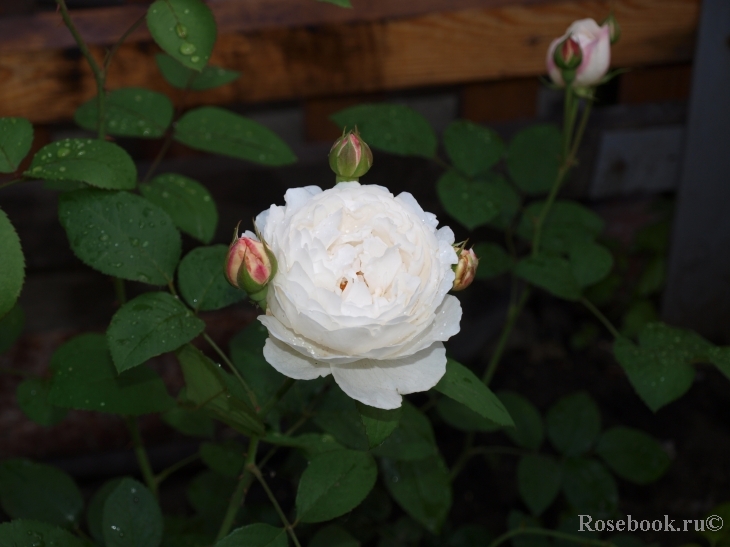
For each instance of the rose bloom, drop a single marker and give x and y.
(595, 42)
(360, 291)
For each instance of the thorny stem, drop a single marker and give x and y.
(110, 54)
(162, 475)
(602, 318)
(240, 492)
(227, 361)
(550, 533)
(141, 453)
(256, 472)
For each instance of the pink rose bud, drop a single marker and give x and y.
(350, 157)
(250, 265)
(613, 27)
(568, 54)
(592, 66)
(466, 268)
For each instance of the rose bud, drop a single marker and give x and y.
(595, 45)
(350, 157)
(613, 27)
(250, 266)
(466, 269)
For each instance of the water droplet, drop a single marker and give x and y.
(134, 241)
(62, 152)
(181, 30)
(62, 168)
(145, 243)
(186, 48)
(103, 237)
(195, 58)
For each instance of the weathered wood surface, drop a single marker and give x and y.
(426, 50)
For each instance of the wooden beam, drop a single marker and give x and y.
(426, 50)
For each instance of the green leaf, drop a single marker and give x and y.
(35, 491)
(538, 480)
(632, 454)
(209, 386)
(567, 222)
(533, 158)
(720, 357)
(182, 77)
(121, 234)
(378, 423)
(209, 493)
(469, 535)
(493, 260)
(338, 415)
(132, 517)
(64, 185)
(589, 487)
(472, 202)
(150, 325)
(247, 355)
(639, 314)
(341, 3)
(84, 378)
(505, 196)
(471, 147)
(189, 204)
(528, 431)
(185, 29)
(462, 418)
(422, 488)
(98, 163)
(552, 273)
(462, 385)
(333, 536)
(311, 443)
(16, 137)
(226, 458)
(590, 262)
(393, 128)
(12, 273)
(95, 511)
(219, 131)
(29, 533)
(11, 327)
(202, 282)
(129, 112)
(413, 439)
(573, 424)
(333, 484)
(32, 395)
(721, 537)
(255, 535)
(189, 422)
(653, 277)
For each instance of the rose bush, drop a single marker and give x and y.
(595, 44)
(360, 292)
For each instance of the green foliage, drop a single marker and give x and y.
(461, 417)
(95, 511)
(573, 424)
(590, 262)
(462, 385)
(219, 131)
(12, 273)
(567, 222)
(226, 458)
(247, 355)
(131, 516)
(189, 204)
(11, 327)
(84, 378)
(639, 314)
(334, 483)
(341, 3)
(121, 234)
(185, 29)
(255, 535)
(211, 388)
(189, 422)
(339, 416)
(421, 487)
(721, 537)
(538, 480)
(653, 277)
(208, 493)
(472, 148)
(129, 112)
(32, 395)
(470, 535)
(393, 128)
(413, 439)
(533, 158)
(378, 423)
(552, 273)
(202, 282)
(528, 431)
(149, 325)
(493, 260)
(30, 533)
(182, 77)
(16, 137)
(333, 536)
(35, 491)
(589, 487)
(98, 163)
(473, 203)
(632, 454)
(517, 519)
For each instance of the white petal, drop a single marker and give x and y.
(292, 363)
(298, 197)
(381, 383)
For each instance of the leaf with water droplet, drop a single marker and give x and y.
(131, 517)
(181, 28)
(32, 397)
(16, 137)
(12, 273)
(181, 77)
(202, 282)
(155, 323)
(19, 532)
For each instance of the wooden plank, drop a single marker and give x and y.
(656, 84)
(429, 50)
(500, 101)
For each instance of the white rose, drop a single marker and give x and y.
(595, 43)
(360, 291)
